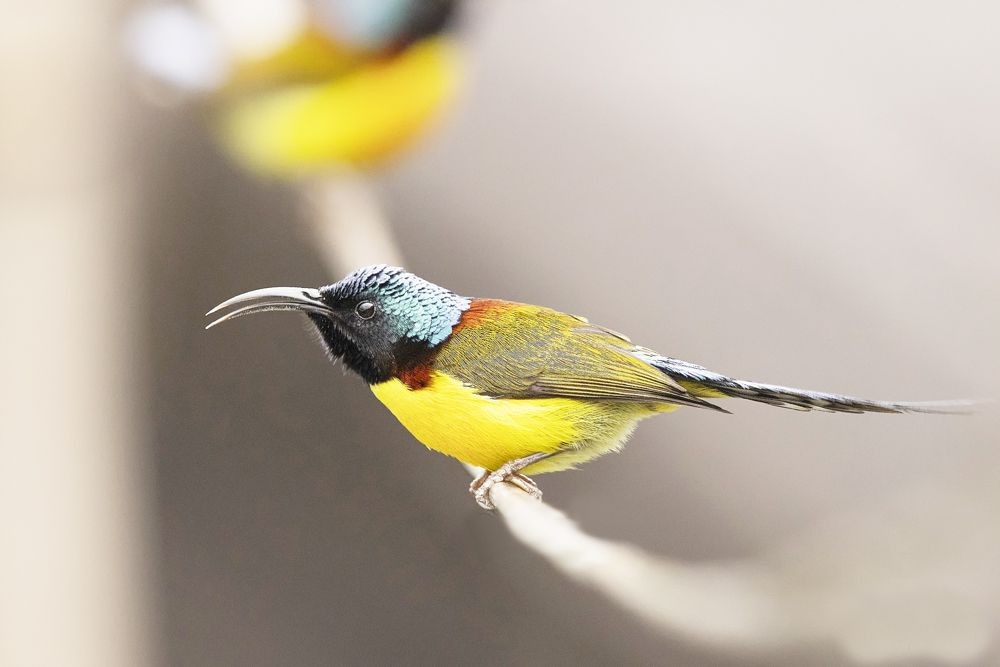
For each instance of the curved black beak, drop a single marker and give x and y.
(303, 299)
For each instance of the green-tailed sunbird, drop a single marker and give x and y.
(512, 388)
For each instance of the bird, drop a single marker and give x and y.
(512, 388)
(318, 87)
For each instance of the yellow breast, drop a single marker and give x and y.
(453, 419)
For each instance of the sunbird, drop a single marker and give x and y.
(326, 85)
(512, 388)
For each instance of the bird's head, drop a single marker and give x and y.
(379, 319)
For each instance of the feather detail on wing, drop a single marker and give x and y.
(512, 350)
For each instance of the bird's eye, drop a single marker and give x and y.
(365, 310)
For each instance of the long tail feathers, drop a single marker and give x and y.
(705, 383)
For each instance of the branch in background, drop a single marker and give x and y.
(348, 224)
(868, 583)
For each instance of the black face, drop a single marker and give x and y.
(356, 331)
(363, 333)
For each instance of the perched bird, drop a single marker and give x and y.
(509, 387)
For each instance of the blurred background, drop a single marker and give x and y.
(795, 192)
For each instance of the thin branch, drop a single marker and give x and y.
(726, 605)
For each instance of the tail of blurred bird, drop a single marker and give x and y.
(708, 384)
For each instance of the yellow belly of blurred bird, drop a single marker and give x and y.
(452, 418)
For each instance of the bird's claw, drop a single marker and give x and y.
(510, 472)
(482, 487)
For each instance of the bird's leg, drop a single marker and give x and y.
(508, 472)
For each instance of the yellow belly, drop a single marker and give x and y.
(453, 419)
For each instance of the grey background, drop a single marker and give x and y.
(795, 192)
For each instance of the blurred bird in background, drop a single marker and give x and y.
(305, 86)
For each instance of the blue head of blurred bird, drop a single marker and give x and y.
(512, 388)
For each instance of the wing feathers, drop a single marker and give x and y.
(523, 351)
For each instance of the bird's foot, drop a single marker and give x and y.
(482, 486)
